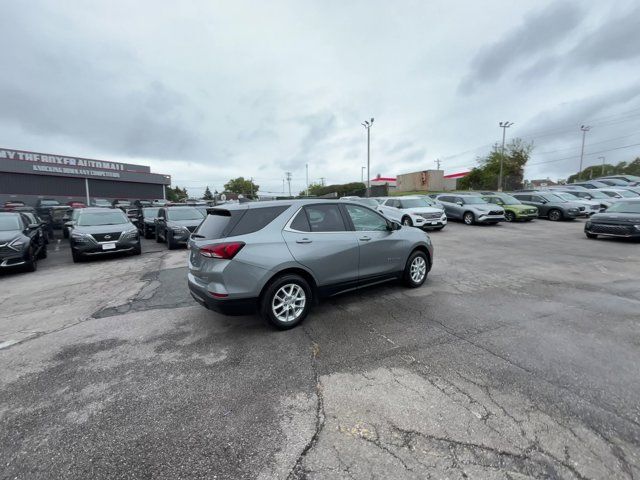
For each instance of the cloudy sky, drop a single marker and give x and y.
(206, 91)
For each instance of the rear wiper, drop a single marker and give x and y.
(195, 235)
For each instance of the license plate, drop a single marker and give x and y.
(108, 246)
(434, 223)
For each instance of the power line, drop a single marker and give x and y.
(586, 154)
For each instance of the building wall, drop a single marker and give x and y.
(29, 188)
(426, 180)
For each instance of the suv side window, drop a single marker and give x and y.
(523, 198)
(256, 219)
(393, 203)
(458, 199)
(301, 222)
(365, 220)
(536, 198)
(444, 198)
(325, 218)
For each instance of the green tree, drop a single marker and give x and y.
(595, 171)
(241, 186)
(176, 194)
(485, 175)
(207, 194)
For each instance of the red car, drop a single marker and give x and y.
(11, 204)
(77, 205)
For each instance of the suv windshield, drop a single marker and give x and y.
(9, 222)
(370, 202)
(414, 203)
(509, 200)
(108, 217)
(625, 207)
(566, 196)
(49, 203)
(552, 197)
(473, 200)
(184, 213)
(150, 212)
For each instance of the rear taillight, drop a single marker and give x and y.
(222, 250)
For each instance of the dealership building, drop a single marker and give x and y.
(29, 176)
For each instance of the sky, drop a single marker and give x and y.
(206, 91)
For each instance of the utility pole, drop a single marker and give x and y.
(288, 174)
(599, 158)
(437, 163)
(585, 129)
(283, 186)
(307, 166)
(368, 124)
(503, 126)
(322, 179)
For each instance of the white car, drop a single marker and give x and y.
(405, 210)
(390, 213)
(619, 193)
(590, 206)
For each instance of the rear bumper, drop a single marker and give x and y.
(226, 306)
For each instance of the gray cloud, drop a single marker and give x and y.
(537, 32)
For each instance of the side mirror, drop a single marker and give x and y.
(394, 226)
(68, 224)
(460, 203)
(33, 226)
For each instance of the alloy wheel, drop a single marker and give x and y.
(288, 302)
(418, 269)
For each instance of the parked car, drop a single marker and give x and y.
(391, 213)
(591, 184)
(70, 220)
(100, 231)
(21, 243)
(622, 219)
(121, 204)
(142, 203)
(101, 202)
(413, 211)
(514, 209)
(33, 219)
(133, 214)
(550, 205)
(76, 205)
(590, 206)
(147, 221)
(10, 205)
(619, 193)
(627, 178)
(159, 203)
(604, 200)
(471, 209)
(175, 224)
(51, 211)
(315, 248)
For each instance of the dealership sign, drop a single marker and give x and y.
(19, 161)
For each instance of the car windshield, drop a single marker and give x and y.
(75, 214)
(566, 196)
(552, 197)
(150, 212)
(625, 207)
(469, 200)
(627, 193)
(414, 203)
(184, 213)
(108, 217)
(49, 203)
(594, 194)
(509, 200)
(9, 222)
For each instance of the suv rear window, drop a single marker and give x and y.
(221, 223)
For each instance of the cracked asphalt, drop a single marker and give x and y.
(519, 358)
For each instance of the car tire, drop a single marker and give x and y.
(158, 238)
(137, 250)
(65, 233)
(273, 302)
(407, 222)
(43, 251)
(171, 245)
(77, 257)
(416, 269)
(554, 215)
(469, 218)
(591, 235)
(147, 234)
(509, 216)
(32, 263)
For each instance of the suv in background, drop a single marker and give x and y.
(69, 222)
(603, 199)
(393, 214)
(147, 221)
(101, 202)
(590, 206)
(471, 209)
(514, 209)
(100, 231)
(21, 243)
(174, 225)
(405, 209)
(315, 248)
(550, 206)
(121, 204)
(52, 211)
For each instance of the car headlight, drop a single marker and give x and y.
(587, 225)
(573, 209)
(179, 229)
(133, 233)
(637, 227)
(17, 244)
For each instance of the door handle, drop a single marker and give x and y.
(365, 239)
(303, 240)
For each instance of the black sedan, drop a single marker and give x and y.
(22, 243)
(622, 219)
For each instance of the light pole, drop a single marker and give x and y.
(368, 125)
(288, 174)
(602, 158)
(307, 166)
(503, 126)
(585, 129)
(362, 174)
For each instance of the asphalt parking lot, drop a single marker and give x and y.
(519, 358)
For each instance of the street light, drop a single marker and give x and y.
(368, 125)
(585, 129)
(503, 126)
(602, 158)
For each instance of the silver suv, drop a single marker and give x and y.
(471, 209)
(277, 257)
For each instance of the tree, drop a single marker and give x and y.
(241, 186)
(595, 171)
(176, 194)
(207, 194)
(354, 188)
(485, 176)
